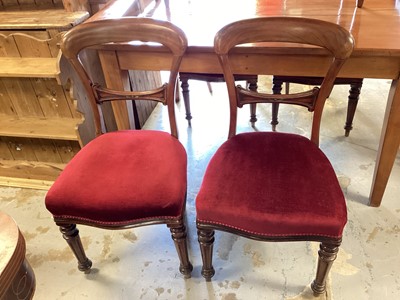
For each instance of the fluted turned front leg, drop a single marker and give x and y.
(71, 235)
(206, 241)
(178, 233)
(327, 254)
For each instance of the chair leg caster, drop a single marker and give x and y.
(85, 266)
(208, 273)
(317, 289)
(347, 130)
(186, 270)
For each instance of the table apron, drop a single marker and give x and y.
(383, 67)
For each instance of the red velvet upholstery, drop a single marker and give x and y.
(272, 184)
(122, 176)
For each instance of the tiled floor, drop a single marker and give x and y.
(142, 263)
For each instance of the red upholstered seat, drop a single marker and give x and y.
(272, 184)
(121, 177)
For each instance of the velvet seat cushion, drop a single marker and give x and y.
(121, 177)
(272, 184)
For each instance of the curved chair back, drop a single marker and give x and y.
(106, 34)
(335, 39)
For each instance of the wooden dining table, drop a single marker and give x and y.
(375, 27)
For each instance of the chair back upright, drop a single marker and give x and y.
(108, 34)
(335, 39)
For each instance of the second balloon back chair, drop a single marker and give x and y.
(125, 178)
(274, 186)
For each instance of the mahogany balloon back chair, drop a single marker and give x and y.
(273, 186)
(125, 178)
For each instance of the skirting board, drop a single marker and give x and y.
(25, 183)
